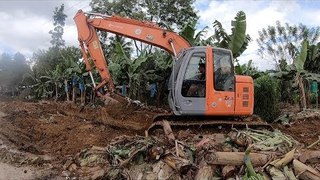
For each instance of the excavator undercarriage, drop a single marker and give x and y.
(212, 122)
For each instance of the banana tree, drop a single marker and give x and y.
(299, 64)
(40, 85)
(299, 74)
(189, 33)
(248, 69)
(54, 77)
(237, 41)
(71, 70)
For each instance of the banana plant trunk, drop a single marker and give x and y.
(56, 87)
(73, 94)
(83, 97)
(303, 102)
(66, 89)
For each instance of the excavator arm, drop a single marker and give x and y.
(145, 32)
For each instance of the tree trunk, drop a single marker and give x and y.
(66, 89)
(307, 93)
(83, 97)
(73, 94)
(235, 158)
(56, 91)
(303, 102)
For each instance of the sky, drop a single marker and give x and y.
(24, 24)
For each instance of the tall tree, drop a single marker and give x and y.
(12, 71)
(58, 21)
(173, 14)
(5, 71)
(283, 42)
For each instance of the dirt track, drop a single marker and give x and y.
(45, 134)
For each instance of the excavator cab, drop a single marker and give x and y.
(203, 82)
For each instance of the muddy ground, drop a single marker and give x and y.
(36, 138)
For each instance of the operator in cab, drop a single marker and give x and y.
(198, 90)
(223, 76)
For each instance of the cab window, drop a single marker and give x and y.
(195, 77)
(223, 71)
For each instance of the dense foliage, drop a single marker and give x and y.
(266, 98)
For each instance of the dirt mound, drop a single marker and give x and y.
(59, 129)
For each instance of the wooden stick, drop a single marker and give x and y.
(313, 144)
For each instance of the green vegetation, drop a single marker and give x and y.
(266, 98)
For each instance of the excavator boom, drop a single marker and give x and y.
(143, 31)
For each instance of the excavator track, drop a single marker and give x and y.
(213, 122)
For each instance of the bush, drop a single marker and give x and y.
(267, 96)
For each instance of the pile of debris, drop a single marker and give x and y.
(246, 154)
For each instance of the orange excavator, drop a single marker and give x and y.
(202, 83)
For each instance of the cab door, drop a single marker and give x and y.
(191, 83)
(220, 82)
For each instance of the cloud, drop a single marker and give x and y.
(25, 25)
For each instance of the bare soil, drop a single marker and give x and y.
(305, 130)
(55, 131)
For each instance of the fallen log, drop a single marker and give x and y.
(236, 158)
(305, 172)
(309, 155)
